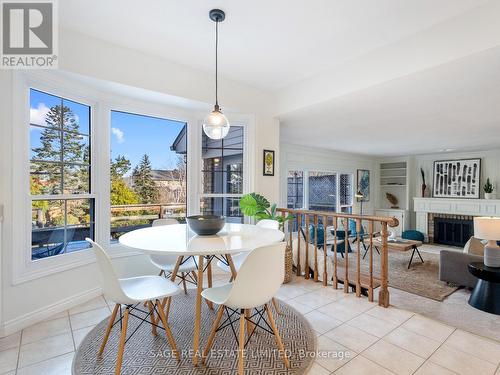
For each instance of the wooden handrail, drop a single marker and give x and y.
(349, 274)
(391, 221)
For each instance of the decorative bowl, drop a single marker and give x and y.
(206, 225)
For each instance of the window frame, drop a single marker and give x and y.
(65, 197)
(24, 268)
(305, 186)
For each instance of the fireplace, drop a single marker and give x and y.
(452, 230)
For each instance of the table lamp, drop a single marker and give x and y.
(488, 228)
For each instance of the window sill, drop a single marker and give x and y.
(33, 270)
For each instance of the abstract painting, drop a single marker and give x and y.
(457, 178)
(363, 183)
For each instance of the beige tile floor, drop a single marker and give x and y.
(355, 337)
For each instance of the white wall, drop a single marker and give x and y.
(295, 157)
(490, 167)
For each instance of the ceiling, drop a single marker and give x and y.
(376, 77)
(452, 106)
(266, 44)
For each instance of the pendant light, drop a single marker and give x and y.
(216, 125)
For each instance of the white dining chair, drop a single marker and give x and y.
(238, 259)
(259, 278)
(166, 263)
(133, 292)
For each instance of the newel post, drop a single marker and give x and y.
(383, 296)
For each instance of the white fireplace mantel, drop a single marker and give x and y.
(470, 207)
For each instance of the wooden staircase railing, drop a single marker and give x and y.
(342, 271)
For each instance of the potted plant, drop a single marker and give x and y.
(257, 206)
(488, 189)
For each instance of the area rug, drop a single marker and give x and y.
(146, 354)
(421, 279)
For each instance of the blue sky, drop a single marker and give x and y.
(135, 135)
(131, 135)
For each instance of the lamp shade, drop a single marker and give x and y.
(216, 125)
(487, 228)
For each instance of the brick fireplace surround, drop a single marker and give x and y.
(432, 216)
(428, 209)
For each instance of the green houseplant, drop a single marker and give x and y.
(488, 189)
(257, 206)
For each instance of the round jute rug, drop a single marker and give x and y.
(148, 354)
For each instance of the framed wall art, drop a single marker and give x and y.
(457, 178)
(363, 184)
(268, 168)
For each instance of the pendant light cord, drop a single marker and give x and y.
(216, 62)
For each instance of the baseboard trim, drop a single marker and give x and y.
(23, 321)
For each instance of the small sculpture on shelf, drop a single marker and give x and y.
(424, 186)
(393, 200)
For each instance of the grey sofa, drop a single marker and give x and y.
(453, 267)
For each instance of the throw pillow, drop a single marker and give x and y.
(474, 247)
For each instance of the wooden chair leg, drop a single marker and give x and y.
(209, 280)
(108, 328)
(168, 332)
(212, 334)
(197, 316)
(167, 301)
(153, 319)
(121, 347)
(277, 336)
(249, 324)
(276, 306)
(183, 275)
(241, 349)
(194, 277)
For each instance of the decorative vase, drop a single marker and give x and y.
(424, 186)
(488, 195)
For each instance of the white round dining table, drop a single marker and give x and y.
(181, 241)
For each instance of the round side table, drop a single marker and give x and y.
(486, 293)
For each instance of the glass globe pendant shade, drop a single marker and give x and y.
(215, 124)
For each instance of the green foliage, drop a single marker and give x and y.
(144, 186)
(119, 167)
(257, 206)
(122, 194)
(488, 187)
(47, 178)
(253, 204)
(61, 117)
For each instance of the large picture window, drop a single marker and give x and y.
(320, 191)
(62, 203)
(222, 175)
(148, 171)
